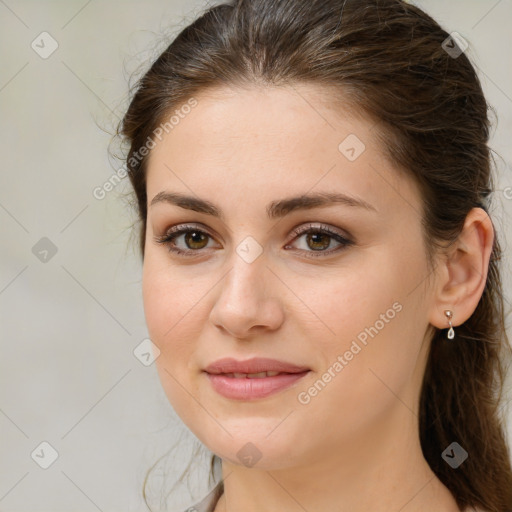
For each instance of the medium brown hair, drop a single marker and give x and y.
(389, 59)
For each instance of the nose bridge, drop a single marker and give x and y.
(246, 299)
(247, 279)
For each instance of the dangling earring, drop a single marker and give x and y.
(451, 333)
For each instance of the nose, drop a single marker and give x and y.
(248, 300)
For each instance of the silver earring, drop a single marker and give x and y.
(451, 333)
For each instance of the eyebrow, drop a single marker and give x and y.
(275, 209)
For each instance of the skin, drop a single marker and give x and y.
(355, 446)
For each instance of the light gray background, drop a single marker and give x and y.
(69, 326)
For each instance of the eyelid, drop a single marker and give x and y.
(174, 232)
(310, 226)
(187, 227)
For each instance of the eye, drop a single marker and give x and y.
(195, 239)
(317, 238)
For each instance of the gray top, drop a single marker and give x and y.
(209, 502)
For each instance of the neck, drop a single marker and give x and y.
(380, 470)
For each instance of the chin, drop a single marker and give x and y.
(258, 452)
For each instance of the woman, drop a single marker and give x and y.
(320, 271)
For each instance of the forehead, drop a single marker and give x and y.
(260, 141)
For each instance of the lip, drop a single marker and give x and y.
(254, 365)
(244, 388)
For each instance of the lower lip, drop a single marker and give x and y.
(248, 389)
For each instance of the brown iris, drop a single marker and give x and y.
(315, 238)
(195, 237)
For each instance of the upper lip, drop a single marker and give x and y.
(254, 365)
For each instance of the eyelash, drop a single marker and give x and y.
(169, 237)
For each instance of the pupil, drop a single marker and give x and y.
(316, 237)
(195, 237)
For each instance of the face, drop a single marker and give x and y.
(338, 288)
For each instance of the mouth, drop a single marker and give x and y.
(260, 375)
(257, 367)
(250, 380)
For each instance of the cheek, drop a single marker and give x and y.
(374, 322)
(173, 327)
(159, 302)
(168, 307)
(352, 299)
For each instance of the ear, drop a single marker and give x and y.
(462, 271)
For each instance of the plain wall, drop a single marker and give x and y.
(70, 321)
